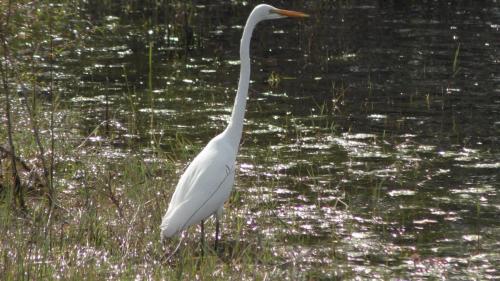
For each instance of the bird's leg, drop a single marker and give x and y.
(202, 238)
(217, 226)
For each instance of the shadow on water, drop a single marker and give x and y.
(372, 140)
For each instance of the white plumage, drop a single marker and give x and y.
(202, 189)
(207, 182)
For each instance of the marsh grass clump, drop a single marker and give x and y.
(105, 226)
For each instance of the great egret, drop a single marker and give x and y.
(208, 180)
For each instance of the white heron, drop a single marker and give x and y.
(207, 182)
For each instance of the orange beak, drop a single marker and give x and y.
(291, 14)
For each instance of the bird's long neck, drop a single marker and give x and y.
(235, 126)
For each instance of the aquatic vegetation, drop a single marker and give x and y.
(378, 160)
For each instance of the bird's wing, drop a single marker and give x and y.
(202, 189)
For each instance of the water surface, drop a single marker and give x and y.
(372, 140)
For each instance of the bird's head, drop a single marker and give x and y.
(268, 12)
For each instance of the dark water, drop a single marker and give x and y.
(372, 141)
